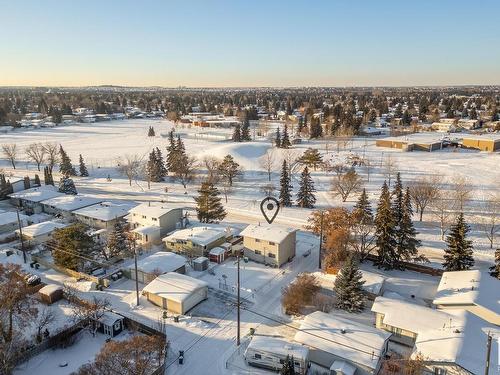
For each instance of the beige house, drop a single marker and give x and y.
(151, 221)
(269, 244)
(196, 241)
(103, 215)
(30, 199)
(473, 290)
(175, 292)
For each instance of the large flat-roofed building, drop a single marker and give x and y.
(269, 244)
(482, 142)
(175, 292)
(414, 142)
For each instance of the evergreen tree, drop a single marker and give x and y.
(285, 140)
(37, 180)
(348, 287)
(305, 195)
(495, 269)
(237, 133)
(27, 183)
(397, 204)
(83, 168)
(69, 244)
(229, 169)
(67, 186)
(151, 132)
(285, 197)
(245, 130)
(406, 235)
(384, 231)
(288, 367)
(364, 209)
(65, 166)
(209, 208)
(171, 151)
(47, 176)
(312, 158)
(162, 169)
(277, 141)
(458, 254)
(117, 242)
(316, 130)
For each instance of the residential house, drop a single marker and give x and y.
(41, 232)
(268, 244)
(474, 290)
(151, 222)
(9, 221)
(64, 205)
(102, 215)
(29, 200)
(157, 264)
(196, 241)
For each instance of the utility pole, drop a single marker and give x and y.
(488, 353)
(136, 276)
(21, 235)
(238, 305)
(320, 239)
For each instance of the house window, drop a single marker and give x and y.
(155, 219)
(258, 252)
(439, 371)
(257, 356)
(296, 363)
(271, 255)
(143, 216)
(271, 243)
(257, 240)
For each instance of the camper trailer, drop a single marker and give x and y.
(270, 353)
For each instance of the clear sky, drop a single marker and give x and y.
(249, 42)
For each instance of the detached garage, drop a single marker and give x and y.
(175, 292)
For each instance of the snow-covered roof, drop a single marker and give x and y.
(463, 342)
(483, 137)
(148, 229)
(344, 338)
(70, 202)
(152, 209)
(175, 286)
(217, 251)
(161, 261)
(37, 194)
(278, 346)
(469, 287)
(109, 318)
(42, 228)
(49, 289)
(104, 211)
(409, 316)
(11, 217)
(373, 282)
(273, 233)
(198, 235)
(200, 260)
(342, 367)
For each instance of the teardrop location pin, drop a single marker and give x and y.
(269, 208)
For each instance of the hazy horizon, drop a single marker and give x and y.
(238, 44)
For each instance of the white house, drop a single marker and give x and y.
(175, 292)
(64, 205)
(271, 353)
(102, 215)
(196, 241)
(269, 244)
(150, 222)
(334, 339)
(157, 264)
(30, 199)
(9, 222)
(41, 232)
(475, 291)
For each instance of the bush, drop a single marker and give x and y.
(299, 294)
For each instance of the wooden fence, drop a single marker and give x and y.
(428, 270)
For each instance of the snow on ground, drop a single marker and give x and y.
(75, 356)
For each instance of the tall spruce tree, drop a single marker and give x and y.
(47, 176)
(37, 180)
(364, 209)
(277, 140)
(27, 183)
(316, 130)
(65, 166)
(495, 269)
(406, 235)
(285, 140)
(385, 231)
(237, 133)
(305, 195)
(285, 197)
(151, 132)
(245, 130)
(348, 287)
(67, 186)
(208, 204)
(83, 168)
(458, 254)
(117, 243)
(162, 169)
(397, 202)
(171, 150)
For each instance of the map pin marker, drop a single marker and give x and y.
(269, 208)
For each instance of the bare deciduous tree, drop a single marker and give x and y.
(344, 184)
(10, 152)
(424, 191)
(462, 190)
(52, 151)
(268, 162)
(130, 166)
(185, 173)
(443, 210)
(87, 312)
(268, 190)
(43, 320)
(390, 168)
(36, 152)
(212, 165)
(489, 221)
